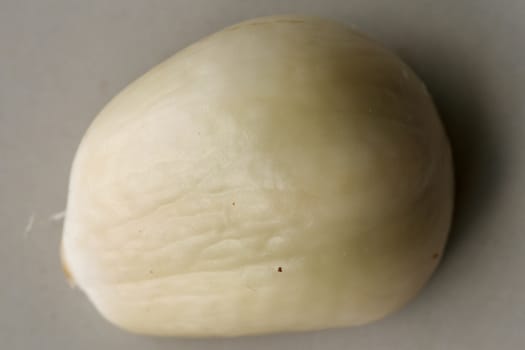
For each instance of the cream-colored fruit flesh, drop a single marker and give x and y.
(283, 174)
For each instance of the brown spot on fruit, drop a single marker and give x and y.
(280, 269)
(65, 268)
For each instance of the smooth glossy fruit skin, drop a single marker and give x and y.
(284, 174)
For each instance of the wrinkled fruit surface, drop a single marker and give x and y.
(284, 174)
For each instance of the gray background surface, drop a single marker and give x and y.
(61, 61)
